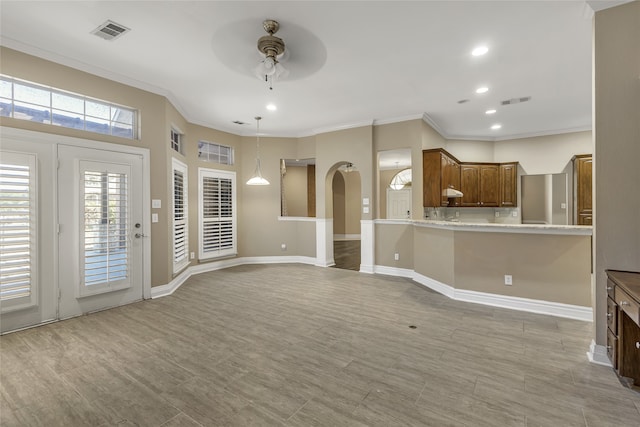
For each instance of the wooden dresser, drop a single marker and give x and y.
(623, 321)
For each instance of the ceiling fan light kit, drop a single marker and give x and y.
(272, 47)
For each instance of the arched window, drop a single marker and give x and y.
(401, 180)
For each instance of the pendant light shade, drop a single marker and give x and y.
(256, 178)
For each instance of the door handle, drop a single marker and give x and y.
(139, 235)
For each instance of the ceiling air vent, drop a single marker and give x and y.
(110, 30)
(516, 100)
(238, 122)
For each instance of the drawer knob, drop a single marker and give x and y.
(609, 315)
(638, 344)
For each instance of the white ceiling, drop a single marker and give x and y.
(351, 63)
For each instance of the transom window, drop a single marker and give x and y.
(24, 100)
(401, 180)
(176, 141)
(215, 153)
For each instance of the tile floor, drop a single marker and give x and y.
(296, 345)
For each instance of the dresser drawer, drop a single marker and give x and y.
(612, 349)
(627, 304)
(612, 316)
(611, 288)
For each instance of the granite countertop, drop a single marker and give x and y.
(487, 227)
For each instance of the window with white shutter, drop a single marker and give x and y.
(217, 193)
(18, 244)
(180, 217)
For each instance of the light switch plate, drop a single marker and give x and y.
(365, 201)
(156, 203)
(365, 209)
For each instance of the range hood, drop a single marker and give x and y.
(451, 193)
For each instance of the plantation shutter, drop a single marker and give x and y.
(18, 230)
(217, 214)
(180, 219)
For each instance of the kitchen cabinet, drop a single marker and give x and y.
(623, 323)
(480, 184)
(583, 167)
(440, 171)
(508, 185)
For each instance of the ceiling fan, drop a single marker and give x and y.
(273, 49)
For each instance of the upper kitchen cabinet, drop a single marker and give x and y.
(441, 178)
(480, 184)
(508, 185)
(583, 166)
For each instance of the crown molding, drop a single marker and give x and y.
(379, 122)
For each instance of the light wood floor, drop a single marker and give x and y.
(296, 345)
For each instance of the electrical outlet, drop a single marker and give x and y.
(396, 256)
(283, 246)
(514, 213)
(192, 255)
(497, 214)
(508, 280)
(457, 214)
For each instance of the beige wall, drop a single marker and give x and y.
(617, 148)
(295, 184)
(392, 239)
(433, 254)
(471, 151)
(339, 203)
(543, 266)
(337, 148)
(353, 203)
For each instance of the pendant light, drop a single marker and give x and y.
(257, 178)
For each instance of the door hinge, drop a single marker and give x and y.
(58, 164)
(58, 228)
(59, 294)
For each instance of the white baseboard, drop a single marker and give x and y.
(171, 287)
(515, 303)
(598, 354)
(393, 271)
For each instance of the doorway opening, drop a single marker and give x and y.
(346, 189)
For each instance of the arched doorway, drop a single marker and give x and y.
(346, 191)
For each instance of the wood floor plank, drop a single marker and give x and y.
(297, 345)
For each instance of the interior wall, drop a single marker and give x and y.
(335, 148)
(542, 154)
(471, 151)
(394, 239)
(339, 204)
(352, 184)
(295, 184)
(617, 149)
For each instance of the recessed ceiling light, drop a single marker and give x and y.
(480, 50)
(496, 126)
(490, 112)
(272, 107)
(483, 89)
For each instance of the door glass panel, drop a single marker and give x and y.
(17, 229)
(106, 242)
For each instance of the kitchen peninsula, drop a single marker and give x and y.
(548, 266)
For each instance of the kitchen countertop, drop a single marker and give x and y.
(486, 227)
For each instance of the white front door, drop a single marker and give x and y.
(398, 203)
(100, 242)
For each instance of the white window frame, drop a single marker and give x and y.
(83, 117)
(213, 153)
(176, 140)
(19, 303)
(179, 263)
(202, 221)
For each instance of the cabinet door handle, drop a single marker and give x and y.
(609, 288)
(624, 302)
(609, 347)
(638, 345)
